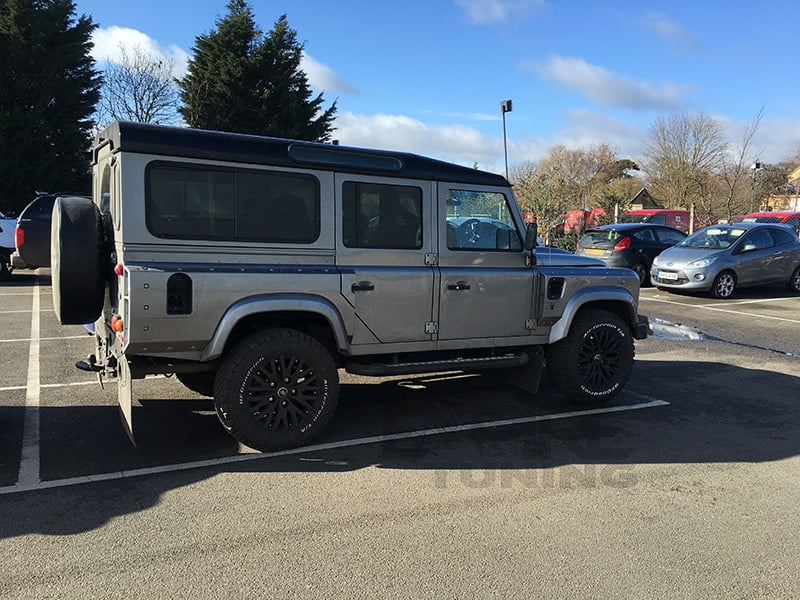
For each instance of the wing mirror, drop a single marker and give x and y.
(531, 233)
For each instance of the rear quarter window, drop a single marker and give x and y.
(190, 202)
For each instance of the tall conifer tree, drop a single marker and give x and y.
(48, 91)
(243, 81)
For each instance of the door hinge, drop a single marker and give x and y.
(530, 324)
(431, 327)
(431, 259)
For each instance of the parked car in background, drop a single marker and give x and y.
(629, 245)
(32, 234)
(6, 245)
(784, 217)
(675, 218)
(722, 258)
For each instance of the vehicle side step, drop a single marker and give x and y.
(508, 360)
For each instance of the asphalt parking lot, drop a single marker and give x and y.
(441, 486)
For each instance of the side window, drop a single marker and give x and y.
(231, 205)
(782, 237)
(760, 239)
(668, 236)
(645, 235)
(659, 219)
(480, 221)
(381, 216)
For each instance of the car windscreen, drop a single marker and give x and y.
(713, 238)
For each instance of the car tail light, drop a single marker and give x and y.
(623, 244)
(119, 269)
(19, 237)
(117, 324)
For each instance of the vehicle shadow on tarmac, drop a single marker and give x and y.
(717, 412)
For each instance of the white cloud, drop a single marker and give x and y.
(670, 30)
(321, 77)
(775, 140)
(109, 41)
(468, 146)
(584, 128)
(484, 12)
(610, 89)
(456, 143)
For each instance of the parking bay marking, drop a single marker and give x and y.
(29, 457)
(718, 309)
(378, 439)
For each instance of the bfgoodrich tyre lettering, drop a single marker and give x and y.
(594, 362)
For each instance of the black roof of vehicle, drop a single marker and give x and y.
(627, 226)
(236, 147)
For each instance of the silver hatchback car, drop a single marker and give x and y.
(722, 258)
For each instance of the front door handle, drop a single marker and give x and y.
(362, 286)
(458, 286)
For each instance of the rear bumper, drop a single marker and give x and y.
(17, 262)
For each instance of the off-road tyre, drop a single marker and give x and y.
(724, 285)
(202, 383)
(5, 265)
(79, 260)
(793, 285)
(594, 362)
(276, 389)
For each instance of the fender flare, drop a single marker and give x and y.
(560, 328)
(274, 303)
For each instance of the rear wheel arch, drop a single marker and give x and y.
(241, 321)
(793, 284)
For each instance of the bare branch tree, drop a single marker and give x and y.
(139, 88)
(683, 154)
(737, 192)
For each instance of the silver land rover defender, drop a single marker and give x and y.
(254, 268)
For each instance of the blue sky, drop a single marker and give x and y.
(429, 76)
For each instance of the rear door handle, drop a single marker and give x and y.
(362, 286)
(458, 286)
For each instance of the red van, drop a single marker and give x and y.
(675, 218)
(785, 217)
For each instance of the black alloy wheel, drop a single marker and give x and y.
(594, 362)
(277, 389)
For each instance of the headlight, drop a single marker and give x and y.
(655, 261)
(702, 263)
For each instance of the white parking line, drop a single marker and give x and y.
(29, 458)
(47, 339)
(718, 309)
(11, 388)
(16, 312)
(737, 302)
(378, 439)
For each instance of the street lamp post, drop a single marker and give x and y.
(505, 106)
(756, 166)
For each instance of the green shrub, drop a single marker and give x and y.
(568, 242)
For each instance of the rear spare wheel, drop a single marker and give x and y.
(79, 260)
